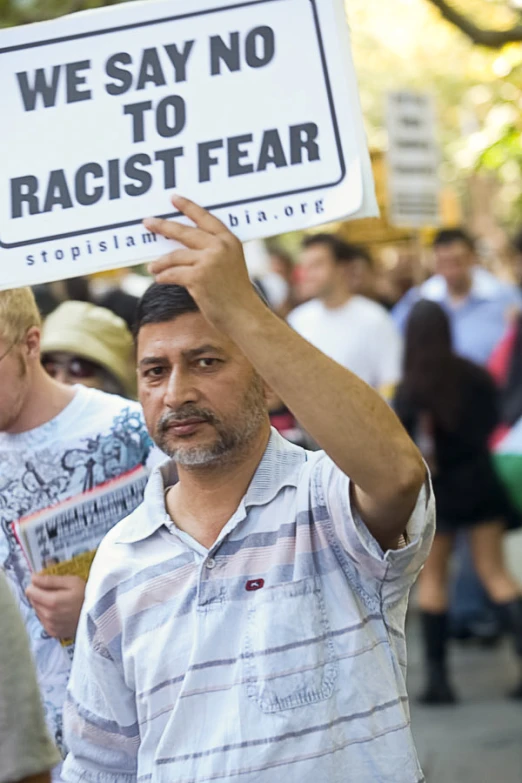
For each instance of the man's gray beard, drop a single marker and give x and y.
(231, 442)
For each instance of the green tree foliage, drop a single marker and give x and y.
(25, 11)
(478, 90)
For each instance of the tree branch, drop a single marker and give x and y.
(494, 39)
(39, 13)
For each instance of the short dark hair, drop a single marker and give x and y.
(343, 252)
(446, 236)
(161, 303)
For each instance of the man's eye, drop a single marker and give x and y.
(154, 372)
(206, 363)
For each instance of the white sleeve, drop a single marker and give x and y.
(25, 747)
(389, 575)
(100, 721)
(388, 353)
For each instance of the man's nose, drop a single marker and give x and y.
(180, 389)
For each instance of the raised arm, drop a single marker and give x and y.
(347, 419)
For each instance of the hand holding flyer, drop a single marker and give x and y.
(61, 541)
(58, 601)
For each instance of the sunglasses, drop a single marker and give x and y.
(75, 367)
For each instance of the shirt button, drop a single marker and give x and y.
(211, 563)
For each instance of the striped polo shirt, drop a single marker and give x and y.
(277, 654)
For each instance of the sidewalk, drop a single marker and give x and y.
(479, 740)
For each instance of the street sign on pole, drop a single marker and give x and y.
(413, 160)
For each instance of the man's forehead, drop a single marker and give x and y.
(316, 251)
(183, 334)
(457, 247)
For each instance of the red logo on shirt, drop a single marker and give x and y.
(255, 584)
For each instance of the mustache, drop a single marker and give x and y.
(185, 414)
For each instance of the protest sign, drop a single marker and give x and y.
(248, 107)
(413, 160)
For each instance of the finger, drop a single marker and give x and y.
(49, 582)
(170, 229)
(175, 276)
(201, 217)
(45, 616)
(41, 599)
(179, 258)
(47, 623)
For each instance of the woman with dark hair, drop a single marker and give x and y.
(449, 406)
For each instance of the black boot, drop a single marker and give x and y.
(511, 618)
(435, 633)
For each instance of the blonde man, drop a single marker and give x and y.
(56, 442)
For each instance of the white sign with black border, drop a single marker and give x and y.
(248, 107)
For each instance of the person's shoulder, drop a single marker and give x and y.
(114, 558)
(371, 313)
(285, 464)
(494, 289)
(304, 311)
(401, 309)
(474, 375)
(96, 398)
(313, 465)
(510, 293)
(103, 406)
(318, 477)
(119, 536)
(435, 288)
(120, 416)
(370, 307)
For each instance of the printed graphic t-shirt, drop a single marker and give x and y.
(96, 438)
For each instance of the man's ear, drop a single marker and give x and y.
(32, 343)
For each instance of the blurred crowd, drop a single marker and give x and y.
(440, 338)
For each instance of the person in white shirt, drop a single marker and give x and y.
(351, 329)
(57, 442)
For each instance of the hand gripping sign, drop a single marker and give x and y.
(248, 107)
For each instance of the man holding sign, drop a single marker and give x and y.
(248, 619)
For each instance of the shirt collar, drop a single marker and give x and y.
(279, 467)
(484, 287)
